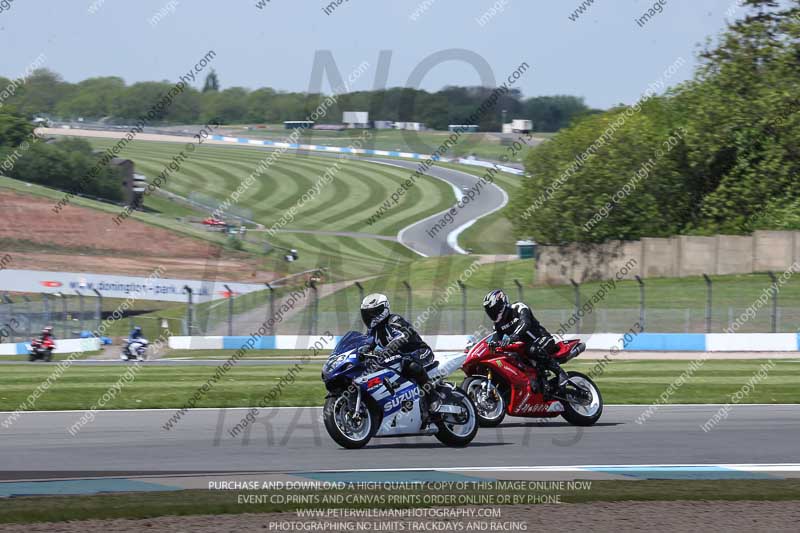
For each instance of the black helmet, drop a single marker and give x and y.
(374, 309)
(495, 303)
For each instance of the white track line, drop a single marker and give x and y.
(768, 467)
(452, 237)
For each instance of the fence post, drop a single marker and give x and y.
(774, 314)
(29, 309)
(64, 330)
(230, 310)
(46, 306)
(360, 299)
(708, 303)
(10, 302)
(463, 306)
(360, 292)
(408, 300)
(642, 316)
(271, 317)
(189, 309)
(577, 287)
(98, 308)
(80, 307)
(312, 324)
(520, 291)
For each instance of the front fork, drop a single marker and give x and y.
(358, 404)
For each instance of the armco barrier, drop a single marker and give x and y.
(62, 346)
(357, 151)
(662, 342)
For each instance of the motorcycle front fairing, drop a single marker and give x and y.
(397, 399)
(343, 364)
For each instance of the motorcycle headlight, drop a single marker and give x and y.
(334, 361)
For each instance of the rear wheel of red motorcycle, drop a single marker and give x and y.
(583, 413)
(490, 403)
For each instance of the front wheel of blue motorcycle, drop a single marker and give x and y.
(350, 429)
(458, 422)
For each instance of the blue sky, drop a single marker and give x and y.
(604, 55)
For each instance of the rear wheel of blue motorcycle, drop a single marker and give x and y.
(458, 430)
(342, 425)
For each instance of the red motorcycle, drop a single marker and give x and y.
(41, 349)
(501, 381)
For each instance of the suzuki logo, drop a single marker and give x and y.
(398, 400)
(51, 284)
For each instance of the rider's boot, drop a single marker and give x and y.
(558, 381)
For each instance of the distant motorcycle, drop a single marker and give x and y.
(134, 350)
(501, 381)
(41, 350)
(367, 399)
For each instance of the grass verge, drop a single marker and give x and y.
(169, 387)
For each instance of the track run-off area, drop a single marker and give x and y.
(358, 188)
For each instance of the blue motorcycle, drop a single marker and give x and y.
(367, 398)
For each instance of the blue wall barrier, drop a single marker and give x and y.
(668, 342)
(362, 151)
(662, 342)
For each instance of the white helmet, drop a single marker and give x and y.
(374, 309)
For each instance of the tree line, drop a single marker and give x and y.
(716, 154)
(65, 164)
(111, 99)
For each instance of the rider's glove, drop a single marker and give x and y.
(545, 345)
(363, 350)
(505, 342)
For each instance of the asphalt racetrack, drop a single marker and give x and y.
(38, 445)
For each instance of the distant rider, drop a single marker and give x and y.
(516, 323)
(47, 334)
(395, 339)
(136, 333)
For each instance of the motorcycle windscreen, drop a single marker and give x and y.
(350, 341)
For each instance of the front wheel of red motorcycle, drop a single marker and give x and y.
(587, 404)
(490, 403)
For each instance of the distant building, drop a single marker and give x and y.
(414, 126)
(133, 185)
(521, 126)
(356, 119)
(471, 128)
(297, 124)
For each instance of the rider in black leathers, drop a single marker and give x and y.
(516, 323)
(396, 340)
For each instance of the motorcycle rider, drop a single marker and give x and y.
(395, 339)
(516, 323)
(47, 334)
(135, 334)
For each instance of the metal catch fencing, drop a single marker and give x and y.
(563, 309)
